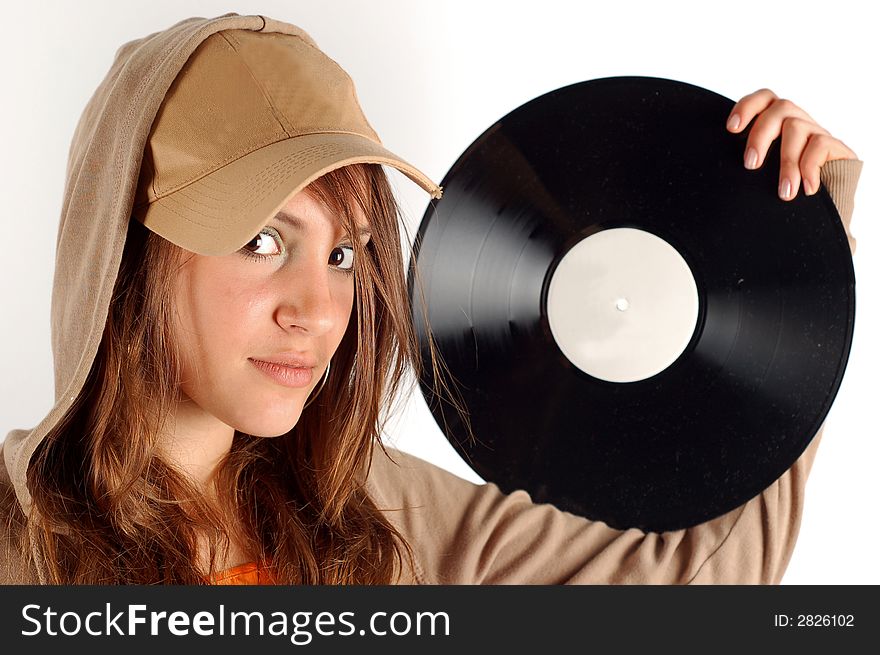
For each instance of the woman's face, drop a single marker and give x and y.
(287, 294)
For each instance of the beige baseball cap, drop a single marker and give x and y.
(251, 119)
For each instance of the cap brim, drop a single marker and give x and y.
(220, 212)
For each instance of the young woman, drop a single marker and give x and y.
(230, 325)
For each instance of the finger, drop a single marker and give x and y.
(768, 127)
(820, 149)
(795, 135)
(747, 108)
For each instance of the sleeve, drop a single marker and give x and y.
(464, 533)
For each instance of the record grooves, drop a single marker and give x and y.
(732, 327)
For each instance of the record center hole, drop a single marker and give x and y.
(622, 304)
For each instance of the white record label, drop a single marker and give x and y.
(622, 305)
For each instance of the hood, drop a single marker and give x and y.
(100, 186)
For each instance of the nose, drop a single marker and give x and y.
(307, 301)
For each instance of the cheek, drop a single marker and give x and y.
(217, 314)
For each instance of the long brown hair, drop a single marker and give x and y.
(108, 509)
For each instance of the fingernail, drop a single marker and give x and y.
(808, 187)
(785, 189)
(751, 159)
(733, 122)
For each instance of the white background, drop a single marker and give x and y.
(431, 78)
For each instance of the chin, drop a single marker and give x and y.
(269, 429)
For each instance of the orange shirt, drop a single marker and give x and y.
(250, 573)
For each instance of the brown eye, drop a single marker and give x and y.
(343, 257)
(264, 244)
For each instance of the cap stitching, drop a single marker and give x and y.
(299, 159)
(243, 153)
(188, 219)
(282, 164)
(164, 202)
(232, 41)
(253, 182)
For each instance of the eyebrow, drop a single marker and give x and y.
(297, 223)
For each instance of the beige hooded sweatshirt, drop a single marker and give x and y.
(461, 533)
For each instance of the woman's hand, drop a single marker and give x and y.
(805, 145)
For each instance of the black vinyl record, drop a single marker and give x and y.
(773, 305)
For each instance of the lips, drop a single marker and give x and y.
(284, 374)
(288, 359)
